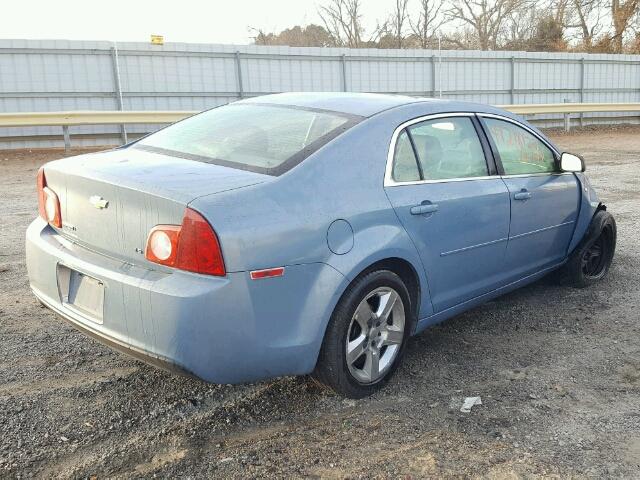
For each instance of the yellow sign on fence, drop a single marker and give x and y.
(157, 39)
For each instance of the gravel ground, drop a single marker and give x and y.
(558, 370)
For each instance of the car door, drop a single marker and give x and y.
(454, 207)
(544, 201)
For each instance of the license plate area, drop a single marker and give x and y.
(81, 293)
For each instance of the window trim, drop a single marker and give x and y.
(413, 150)
(388, 175)
(496, 154)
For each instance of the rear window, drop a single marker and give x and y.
(261, 138)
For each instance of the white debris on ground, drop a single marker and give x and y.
(470, 402)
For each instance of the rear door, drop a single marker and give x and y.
(451, 203)
(544, 201)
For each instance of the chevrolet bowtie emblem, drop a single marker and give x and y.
(98, 202)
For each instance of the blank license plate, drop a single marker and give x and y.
(81, 292)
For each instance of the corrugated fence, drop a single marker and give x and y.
(48, 75)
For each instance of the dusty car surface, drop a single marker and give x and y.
(309, 233)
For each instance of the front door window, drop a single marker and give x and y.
(520, 151)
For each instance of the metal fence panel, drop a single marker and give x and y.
(46, 75)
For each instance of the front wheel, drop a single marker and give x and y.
(366, 335)
(591, 260)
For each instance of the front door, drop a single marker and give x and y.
(544, 202)
(456, 213)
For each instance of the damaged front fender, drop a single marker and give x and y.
(589, 205)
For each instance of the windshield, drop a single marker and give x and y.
(262, 138)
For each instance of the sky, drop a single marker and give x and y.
(193, 21)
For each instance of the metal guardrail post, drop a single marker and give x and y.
(239, 74)
(67, 138)
(567, 119)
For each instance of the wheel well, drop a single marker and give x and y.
(406, 272)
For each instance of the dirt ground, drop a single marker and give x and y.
(558, 370)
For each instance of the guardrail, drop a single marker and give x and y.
(68, 119)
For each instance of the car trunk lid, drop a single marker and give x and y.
(110, 201)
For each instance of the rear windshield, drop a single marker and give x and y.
(261, 138)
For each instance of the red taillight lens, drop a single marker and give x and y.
(41, 184)
(198, 248)
(193, 246)
(48, 202)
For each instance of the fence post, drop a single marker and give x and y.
(67, 138)
(343, 70)
(433, 76)
(581, 89)
(118, 88)
(513, 80)
(239, 74)
(567, 119)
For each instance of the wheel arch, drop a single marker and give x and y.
(399, 265)
(405, 269)
(407, 273)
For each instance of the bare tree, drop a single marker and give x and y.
(488, 18)
(521, 28)
(560, 11)
(622, 12)
(343, 20)
(586, 16)
(397, 22)
(428, 22)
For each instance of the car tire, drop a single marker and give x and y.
(590, 261)
(366, 336)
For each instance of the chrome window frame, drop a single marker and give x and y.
(388, 177)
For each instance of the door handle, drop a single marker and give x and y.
(424, 208)
(522, 195)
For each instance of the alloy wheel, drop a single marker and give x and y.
(375, 335)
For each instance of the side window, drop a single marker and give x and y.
(520, 151)
(405, 167)
(448, 148)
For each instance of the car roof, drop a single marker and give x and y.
(366, 104)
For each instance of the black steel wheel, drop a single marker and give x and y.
(591, 260)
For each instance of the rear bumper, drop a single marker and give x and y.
(221, 329)
(147, 357)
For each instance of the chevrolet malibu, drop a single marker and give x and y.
(308, 233)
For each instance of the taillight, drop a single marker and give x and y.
(162, 244)
(192, 246)
(48, 202)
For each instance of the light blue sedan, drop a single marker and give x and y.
(308, 233)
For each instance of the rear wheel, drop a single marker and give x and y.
(366, 335)
(591, 260)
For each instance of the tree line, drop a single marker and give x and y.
(595, 26)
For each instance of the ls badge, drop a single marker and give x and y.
(98, 202)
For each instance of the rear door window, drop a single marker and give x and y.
(449, 148)
(445, 148)
(258, 137)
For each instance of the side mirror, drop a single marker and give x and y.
(571, 163)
